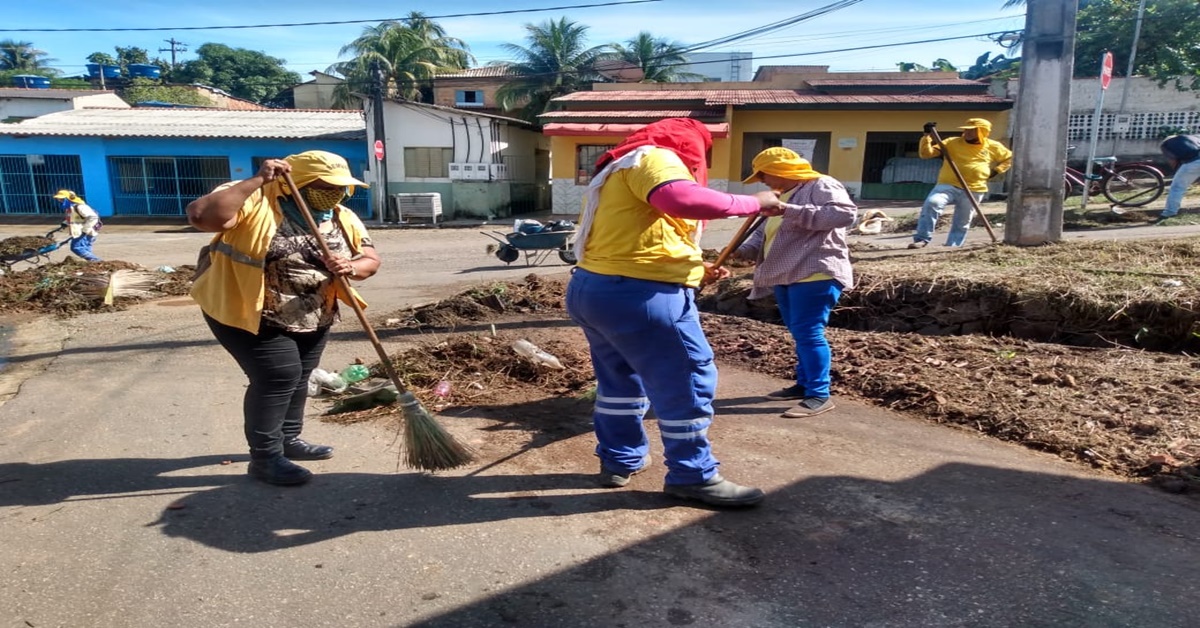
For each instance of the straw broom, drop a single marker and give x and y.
(427, 445)
(121, 283)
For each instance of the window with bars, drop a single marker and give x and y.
(28, 182)
(427, 163)
(468, 98)
(360, 203)
(162, 186)
(585, 161)
(1142, 126)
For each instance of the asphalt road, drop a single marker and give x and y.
(117, 507)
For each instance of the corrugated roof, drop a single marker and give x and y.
(645, 113)
(266, 123)
(55, 94)
(720, 129)
(487, 71)
(712, 97)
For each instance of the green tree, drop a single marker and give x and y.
(22, 56)
(244, 73)
(939, 65)
(987, 66)
(1168, 47)
(145, 90)
(409, 53)
(554, 62)
(103, 58)
(660, 60)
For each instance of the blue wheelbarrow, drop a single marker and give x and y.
(537, 247)
(34, 256)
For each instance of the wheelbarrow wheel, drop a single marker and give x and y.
(507, 253)
(567, 256)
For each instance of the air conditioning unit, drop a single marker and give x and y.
(458, 171)
(424, 205)
(499, 172)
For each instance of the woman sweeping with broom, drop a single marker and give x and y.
(633, 293)
(268, 293)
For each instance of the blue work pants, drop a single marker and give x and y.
(82, 246)
(647, 349)
(805, 308)
(940, 196)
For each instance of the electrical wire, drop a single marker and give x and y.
(324, 23)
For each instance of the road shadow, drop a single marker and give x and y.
(26, 484)
(960, 545)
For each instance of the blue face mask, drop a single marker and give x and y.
(64, 203)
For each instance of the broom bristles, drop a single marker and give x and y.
(427, 445)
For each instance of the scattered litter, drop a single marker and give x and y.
(1172, 283)
(531, 352)
(165, 269)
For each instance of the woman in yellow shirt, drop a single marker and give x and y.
(269, 294)
(633, 293)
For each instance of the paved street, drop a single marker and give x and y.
(118, 506)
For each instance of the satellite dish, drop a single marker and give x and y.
(619, 70)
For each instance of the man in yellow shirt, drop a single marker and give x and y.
(978, 159)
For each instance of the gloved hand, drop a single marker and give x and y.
(929, 127)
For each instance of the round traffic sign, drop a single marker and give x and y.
(1106, 70)
(378, 149)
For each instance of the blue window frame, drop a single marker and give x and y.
(162, 186)
(28, 182)
(468, 98)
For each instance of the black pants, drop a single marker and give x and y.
(277, 363)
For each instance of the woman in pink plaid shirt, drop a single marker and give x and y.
(803, 259)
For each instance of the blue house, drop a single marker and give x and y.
(154, 161)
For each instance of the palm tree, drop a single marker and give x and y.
(660, 60)
(409, 52)
(554, 62)
(22, 56)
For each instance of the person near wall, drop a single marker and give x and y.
(269, 295)
(633, 294)
(978, 158)
(81, 221)
(801, 257)
(1183, 153)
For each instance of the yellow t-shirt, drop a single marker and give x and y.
(631, 238)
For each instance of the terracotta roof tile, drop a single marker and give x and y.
(223, 123)
(772, 97)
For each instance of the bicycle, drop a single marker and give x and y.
(1131, 184)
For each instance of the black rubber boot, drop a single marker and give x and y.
(717, 492)
(278, 470)
(298, 449)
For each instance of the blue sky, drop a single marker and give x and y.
(870, 22)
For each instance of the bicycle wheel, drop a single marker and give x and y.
(1133, 186)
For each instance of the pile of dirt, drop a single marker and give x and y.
(68, 288)
(533, 295)
(19, 245)
(1095, 294)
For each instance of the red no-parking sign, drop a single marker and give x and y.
(379, 148)
(1106, 70)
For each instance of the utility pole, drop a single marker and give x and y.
(1035, 206)
(381, 178)
(176, 46)
(1137, 33)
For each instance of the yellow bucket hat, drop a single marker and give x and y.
(978, 123)
(312, 165)
(781, 162)
(61, 194)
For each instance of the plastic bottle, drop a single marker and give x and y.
(321, 378)
(355, 373)
(530, 351)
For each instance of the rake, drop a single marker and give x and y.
(427, 445)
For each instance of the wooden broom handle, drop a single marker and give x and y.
(739, 238)
(384, 360)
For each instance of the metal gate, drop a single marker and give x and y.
(162, 186)
(28, 182)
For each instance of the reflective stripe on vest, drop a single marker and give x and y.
(241, 258)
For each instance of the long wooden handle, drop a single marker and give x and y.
(384, 360)
(963, 182)
(739, 238)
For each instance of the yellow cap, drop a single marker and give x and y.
(61, 194)
(312, 165)
(977, 123)
(781, 162)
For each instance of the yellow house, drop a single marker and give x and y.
(861, 128)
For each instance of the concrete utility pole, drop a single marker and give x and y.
(1035, 205)
(383, 212)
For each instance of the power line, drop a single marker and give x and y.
(331, 23)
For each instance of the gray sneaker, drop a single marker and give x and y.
(717, 492)
(811, 406)
(795, 391)
(617, 479)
